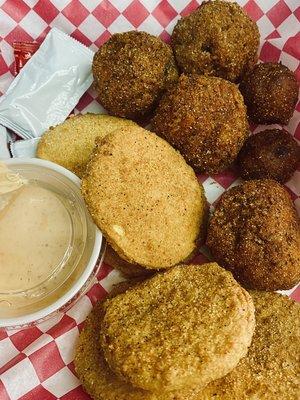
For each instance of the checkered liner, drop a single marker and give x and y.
(37, 363)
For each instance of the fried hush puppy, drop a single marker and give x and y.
(271, 368)
(221, 308)
(131, 71)
(272, 154)
(144, 198)
(270, 92)
(255, 233)
(190, 325)
(205, 119)
(70, 143)
(217, 39)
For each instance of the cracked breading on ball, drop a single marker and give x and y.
(217, 39)
(70, 143)
(131, 71)
(271, 368)
(255, 233)
(205, 119)
(270, 92)
(269, 154)
(145, 198)
(180, 329)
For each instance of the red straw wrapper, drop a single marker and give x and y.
(23, 51)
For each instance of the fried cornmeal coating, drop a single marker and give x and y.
(95, 375)
(131, 71)
(205, 119)
(218, 39)
(255, 233)
(271, 368)
(270, 92)
(127, 269)
(70, 143)
(144, 198)
(269, 154)
(179, 329)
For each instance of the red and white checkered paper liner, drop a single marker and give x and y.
(36, 363)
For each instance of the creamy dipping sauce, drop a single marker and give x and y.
(9, 181)
(46, 238)
(35, 235)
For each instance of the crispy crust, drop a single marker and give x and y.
(70, 143)
(127, 269)
(96, 377)
(131, 71)
(270, 92)
(255, 233)
(144, 198)
(217, 39)
(205, 119)
(183, 328)
(132, 271)
(269, 154)
(271, 369)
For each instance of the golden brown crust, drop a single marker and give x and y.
(123, 286)
(96, 377)
(181, 328)
(271, 369)
(131, 71)
(70, 143)
(127, 269)
(217, 39)
(270, 92)
(255, 233)
(205, 119)
(132, 271)
(269, 154)
(144, 198)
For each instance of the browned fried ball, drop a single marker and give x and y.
(272, 154)
(131, 71)
(270, 92)
(217, 39)
(205, 119)
(255, 233)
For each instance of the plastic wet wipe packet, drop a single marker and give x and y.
(48, 87)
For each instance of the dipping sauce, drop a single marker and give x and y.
(35, 234)
(46, 238)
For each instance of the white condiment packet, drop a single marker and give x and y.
(24, 148)
(48, 87)
(4, 152)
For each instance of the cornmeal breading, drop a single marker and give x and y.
(255, 233)
(205, 119)
(271, 369)
(218, 39)
(70, 143)
(131, 71)
(96, 377)
(179, 329)
(127, 269)
(144, 198)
